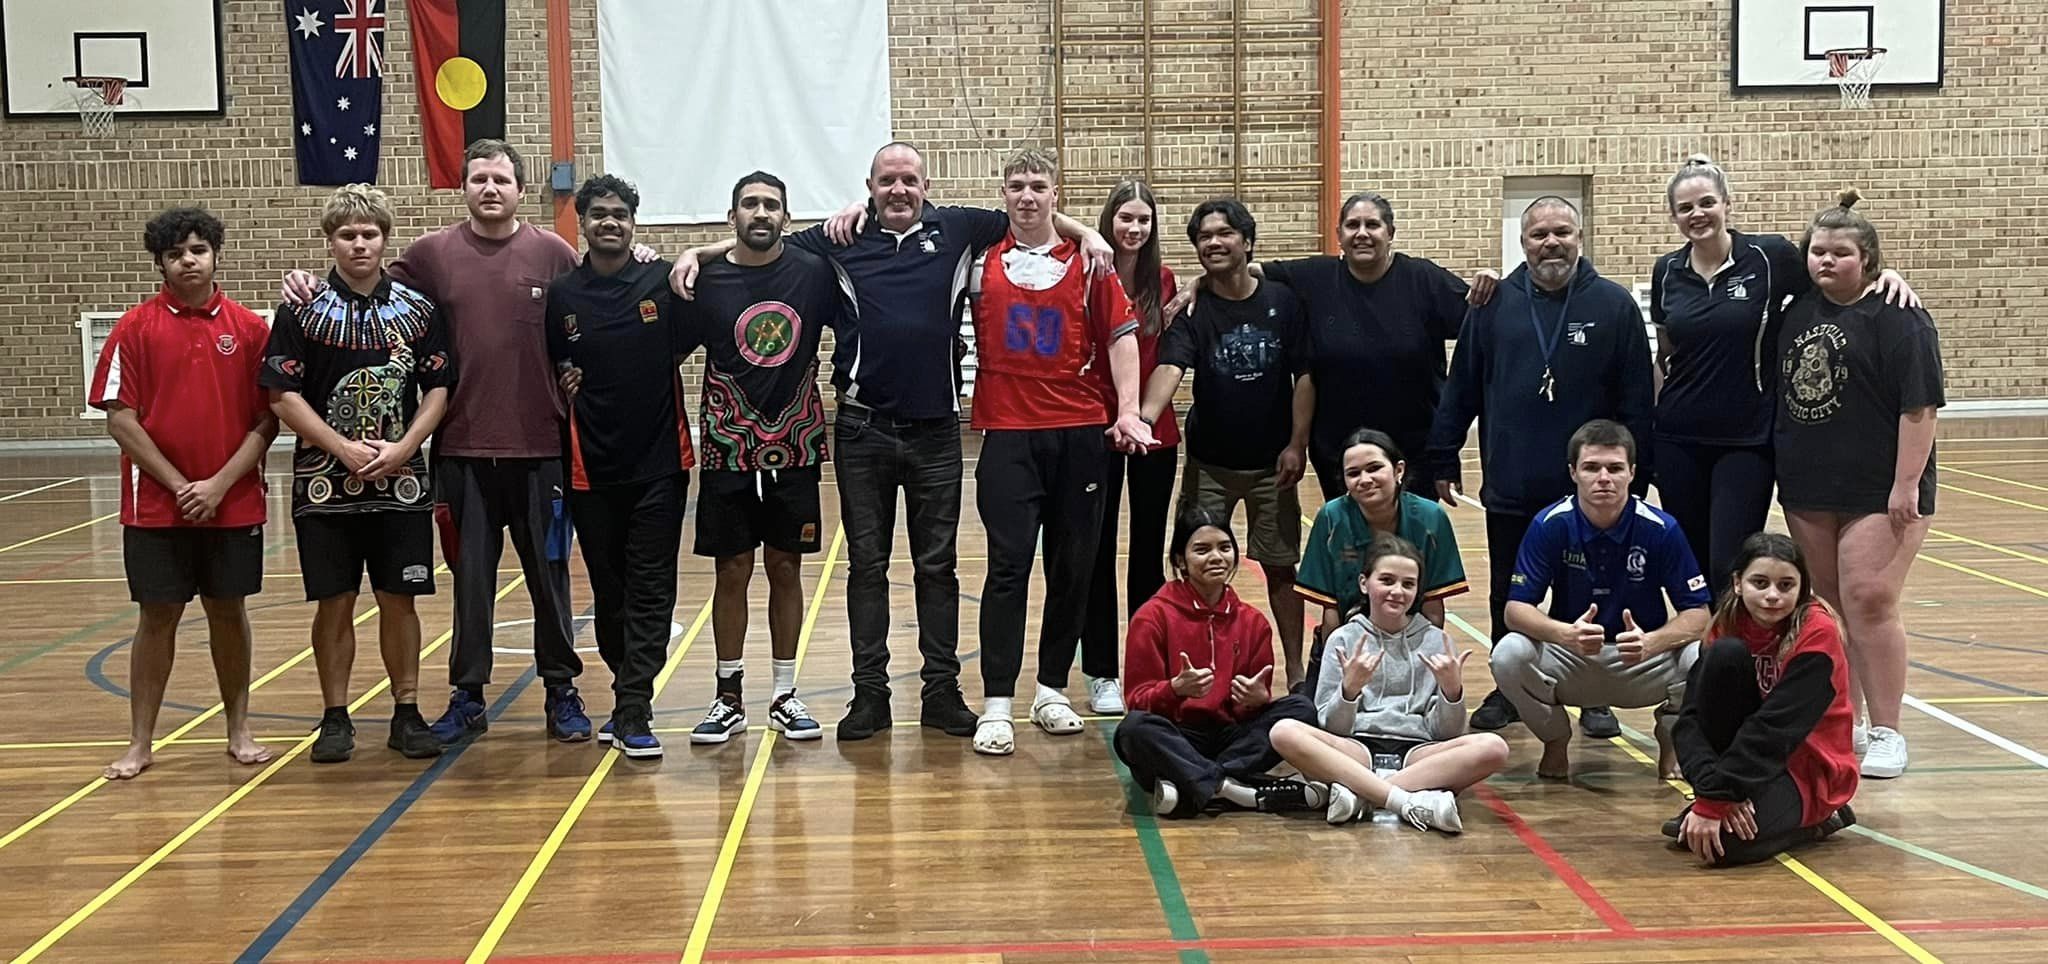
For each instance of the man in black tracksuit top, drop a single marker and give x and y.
(614, 322)
(1557, 347)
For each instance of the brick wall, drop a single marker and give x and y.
(1442, 100)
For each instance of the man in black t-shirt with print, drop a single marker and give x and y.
(1248, 431)
(614, 323)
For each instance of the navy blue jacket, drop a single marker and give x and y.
(1600, 362)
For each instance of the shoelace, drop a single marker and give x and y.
(1417, 814)
(721, 711)
(794, 708)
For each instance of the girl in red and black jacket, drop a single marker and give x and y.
(1199, 662)
(1764, 736)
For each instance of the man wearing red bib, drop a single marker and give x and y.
(1057, 364)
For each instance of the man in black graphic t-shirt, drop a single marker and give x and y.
(1248, 431)
(615, 324)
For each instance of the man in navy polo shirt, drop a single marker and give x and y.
(1607, 559)
(898, 420)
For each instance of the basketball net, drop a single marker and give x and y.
(97, 97)
(1853, 69)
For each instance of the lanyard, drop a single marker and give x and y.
(1548, 388)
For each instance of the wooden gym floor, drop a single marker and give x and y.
(909, 846)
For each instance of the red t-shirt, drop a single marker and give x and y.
(1044, 353)
(1167, 429)
(190, 376)
(493, 295)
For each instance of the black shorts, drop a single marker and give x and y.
(173, 564)
(737, 511)
(396, 547)
(1389, 753)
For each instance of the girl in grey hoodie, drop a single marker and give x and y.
(1391, 702)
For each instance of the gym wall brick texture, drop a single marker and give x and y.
(1441, 101)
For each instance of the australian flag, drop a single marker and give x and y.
(337, 51)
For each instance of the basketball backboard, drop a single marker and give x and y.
(168, 52)
(1782, 45)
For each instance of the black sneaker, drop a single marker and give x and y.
(633, 733)
(337, 739)
(1836, 822)
(948, 712)
(1599, 723)
(1288, 796)
(869, 715)
(1494, 713)
(1671, 826)
(410, 735)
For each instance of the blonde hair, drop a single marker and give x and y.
(1844, 217)
(352, 203)
(1696, 166)
(1032, 160)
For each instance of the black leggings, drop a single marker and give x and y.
(1721, 694)
(1719, 494)
(1151, 492)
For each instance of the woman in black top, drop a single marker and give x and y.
(1717, 303)
(1858, 385)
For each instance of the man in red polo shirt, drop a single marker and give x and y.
(1056, 361)
(177, 380)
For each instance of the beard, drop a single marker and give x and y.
(748, 238)
(1552, 274)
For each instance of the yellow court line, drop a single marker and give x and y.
(1870, 919)
(1993, 478)
(1957, 488)
(2001, 580)
(1966, 540)
(59, 532)
(546, 854)
(205, 820)
(107, 744)
(1940, 700)
(188, 726)
(728, 851)
(1948, 464)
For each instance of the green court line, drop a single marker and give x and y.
(1952, 863)
(1981, 768)
(1179, 920)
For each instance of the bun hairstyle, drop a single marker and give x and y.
(1844, 217)
(1696, 165)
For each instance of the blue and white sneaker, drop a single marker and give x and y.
(465, 717)
(633, 734)
(604, 733)
(726, 719)
(789, 716)
(566, 720)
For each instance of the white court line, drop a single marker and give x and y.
(2024, 753)
(41, 488)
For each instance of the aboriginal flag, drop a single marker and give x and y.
(459, 53)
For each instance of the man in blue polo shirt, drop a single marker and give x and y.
(898, 420)
(1607, 559)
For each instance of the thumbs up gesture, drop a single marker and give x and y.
(1252, 692)
(1629, 642)
(1192, 683)
(1586, 634)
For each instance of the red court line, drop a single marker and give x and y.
(50, 567)
(1339, 941)
(1554, 860)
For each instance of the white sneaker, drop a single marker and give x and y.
(1165, 797)
(1345, 806)
(1105, 696)
(1887, 756)
(1433, 810)
(1859, 738)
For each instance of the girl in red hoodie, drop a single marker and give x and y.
(1765, 733)
(1199, 664)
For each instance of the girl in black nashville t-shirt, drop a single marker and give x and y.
(1858, 385)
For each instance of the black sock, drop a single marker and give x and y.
(335, 713)
(403, 710)
(732, 685)
(475, 693)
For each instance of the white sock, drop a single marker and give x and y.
(784, 673)
(1047, 694)
(995, 706)
(1238, 793)
(729, 668)
(1396, 799)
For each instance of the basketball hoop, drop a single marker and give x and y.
(97, 97)
(1853, 69)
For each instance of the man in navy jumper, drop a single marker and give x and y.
(1557, 347)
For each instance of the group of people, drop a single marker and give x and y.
(551, 387)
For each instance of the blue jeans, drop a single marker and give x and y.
(874, 456)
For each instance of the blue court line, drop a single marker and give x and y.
(267, 941)
(1979, 680)
(96, 674)
(1977, 644)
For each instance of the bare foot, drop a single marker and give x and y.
(1667, 750)
(1556, 763)
(136, 760)
(245, 750)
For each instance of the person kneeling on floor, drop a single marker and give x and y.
(1391, 700)
(1201, 735)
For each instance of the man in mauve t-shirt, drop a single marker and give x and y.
(497, 456)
